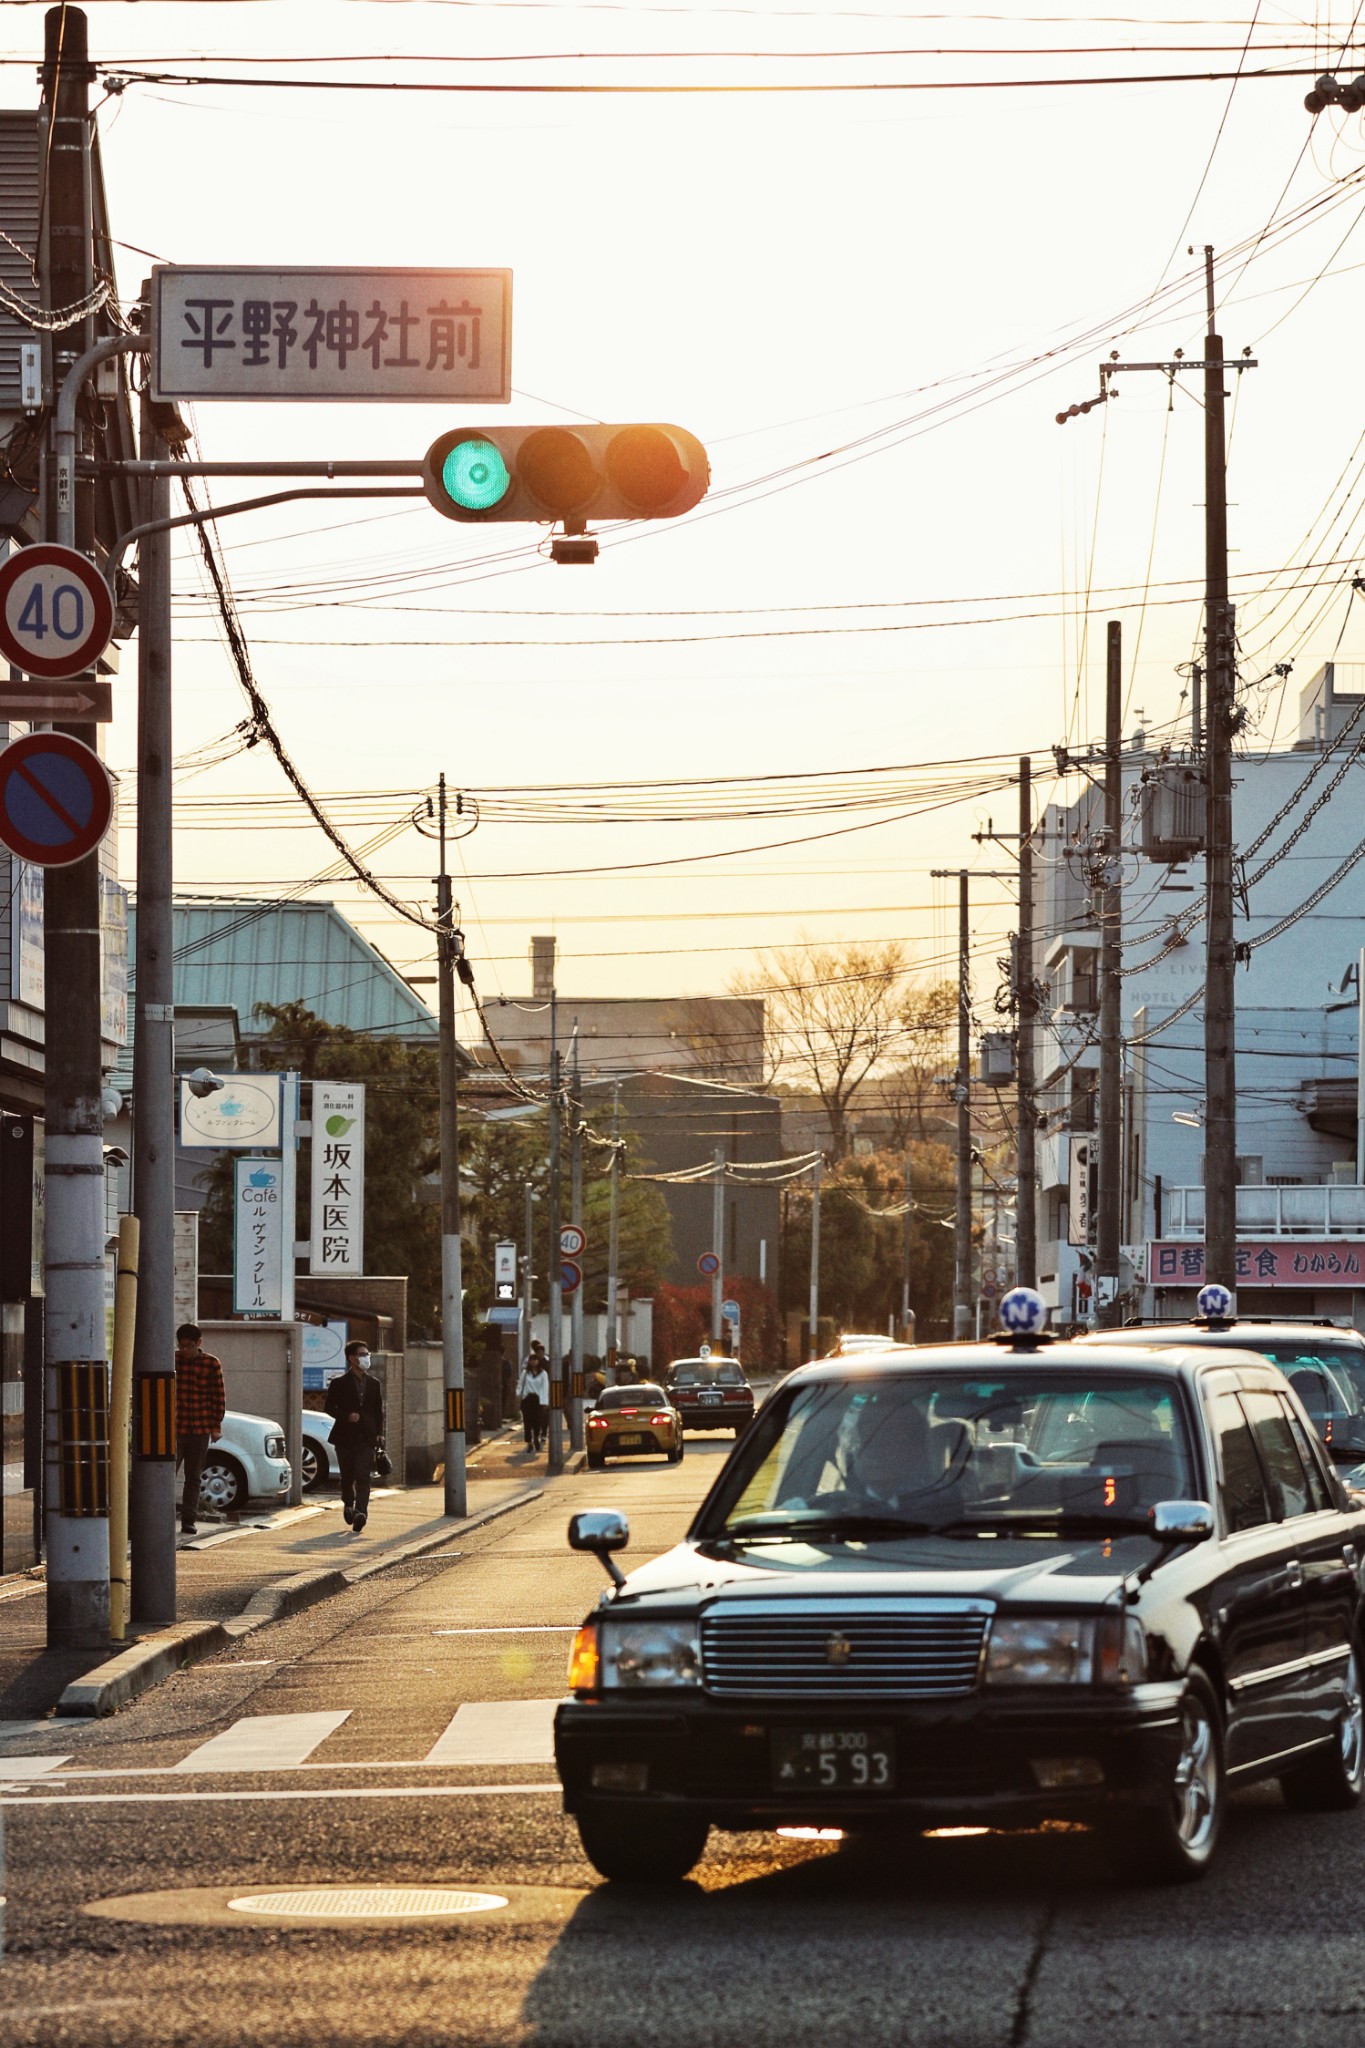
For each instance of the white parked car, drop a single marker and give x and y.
(247, 1462)
(320, 1462)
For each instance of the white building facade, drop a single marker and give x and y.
(1298, 826)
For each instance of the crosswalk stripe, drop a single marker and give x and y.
(498, 1732)
(14, 1768)
(263, 1742)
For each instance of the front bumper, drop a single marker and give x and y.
(274, 1474)
(970, 1760)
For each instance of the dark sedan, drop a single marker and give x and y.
(711, 1393)
(987, 1584)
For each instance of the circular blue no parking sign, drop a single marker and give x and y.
(56, 799)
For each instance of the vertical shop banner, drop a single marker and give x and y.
(258, 1238)
(338, 1233)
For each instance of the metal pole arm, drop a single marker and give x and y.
(246, 505)
(64, 425)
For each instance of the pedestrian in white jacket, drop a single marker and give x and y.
(533, 1391)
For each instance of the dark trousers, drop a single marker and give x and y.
(191, 1451)
(355, 1462)
(533, 1419)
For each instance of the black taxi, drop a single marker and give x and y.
(982, 1584)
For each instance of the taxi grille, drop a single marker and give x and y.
(784, 1649)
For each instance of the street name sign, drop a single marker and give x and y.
(56, 612)
(252, 332)
(56, 799)
(87, 702)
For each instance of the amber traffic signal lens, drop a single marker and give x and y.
(558, 471)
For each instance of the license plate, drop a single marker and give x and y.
(630, 1443)
(711, 1400)
(833, 1760)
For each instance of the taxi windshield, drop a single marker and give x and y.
(706, 1372)
(976, 1450)
(1328, 1378)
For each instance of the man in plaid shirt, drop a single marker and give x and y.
(200, 1404)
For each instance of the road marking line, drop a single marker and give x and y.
(267, 1796)
(538, 1628)
(264, 1742)
(498, 1732)
(14, 1767)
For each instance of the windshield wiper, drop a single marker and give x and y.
(1088, 1524)
(763, 1528)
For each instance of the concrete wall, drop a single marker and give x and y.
(424, 1433)
(263, 1375)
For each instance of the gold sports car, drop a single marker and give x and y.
(633, 1422)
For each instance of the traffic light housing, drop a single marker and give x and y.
(573, 474)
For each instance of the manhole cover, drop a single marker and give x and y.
(368, 1902)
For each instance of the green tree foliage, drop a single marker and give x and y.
(402, 1083)
(862, 1251)
(402, 1162)
(497, 1161)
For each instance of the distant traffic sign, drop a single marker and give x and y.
(86, 702)
(730, 1311)
(56, 612)
(56, 799)
(708, 1263)
(570, 1276)
(309, 332)
(572, 1241)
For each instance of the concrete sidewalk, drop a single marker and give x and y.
(236, 1576)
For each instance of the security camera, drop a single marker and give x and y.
(201, 1082)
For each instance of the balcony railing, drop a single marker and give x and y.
(1333, 1209)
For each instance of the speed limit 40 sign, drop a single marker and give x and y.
(56, 612)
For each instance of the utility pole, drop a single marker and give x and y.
(717, 1243)
(576, 1216)
(1219, 676)
(151, 1491)
(452, 1279)
(76, 1397)
(1110, 906)
(815, 1259)
(1026, 1012)
(556, 1458)
(962, 1264)
(614, 1232)
(905, 1278)
(1220, 1058)
(527, 1277)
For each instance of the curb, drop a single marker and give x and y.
(137, 1669)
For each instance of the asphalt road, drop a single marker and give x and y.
(395, 1737)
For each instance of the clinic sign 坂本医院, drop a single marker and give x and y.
(258, 1228)
(338, 1207)
(258, 333)
(1270, 1262)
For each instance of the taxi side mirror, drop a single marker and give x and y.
(1181, 1521)
(601, 1531)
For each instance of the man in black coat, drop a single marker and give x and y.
(357, 1409)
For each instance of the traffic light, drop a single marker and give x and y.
(572, 474)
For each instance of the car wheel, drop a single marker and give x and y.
(595, 1461)
(1333, 1778)
(1174, 1842)
(222, 1485)
(639, 1845)
(675, 1456)
(315, 1466)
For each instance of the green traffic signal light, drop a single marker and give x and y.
(601, 470)
(474, 475)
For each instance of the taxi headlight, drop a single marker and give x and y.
(649, 1653)
(1066, 1649)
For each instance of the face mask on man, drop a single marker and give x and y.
(362, 1358)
